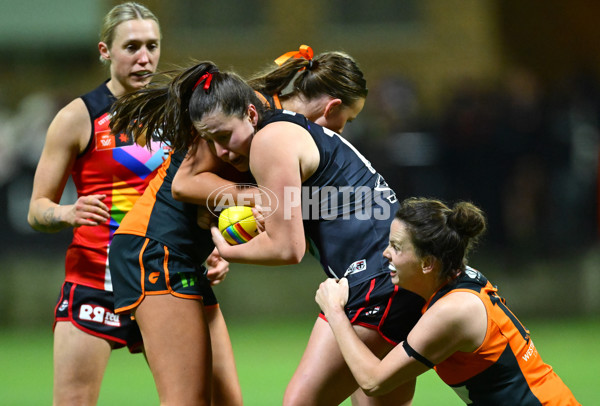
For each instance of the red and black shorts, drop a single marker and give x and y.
(379, 304)
(140, 267)
(92, 311)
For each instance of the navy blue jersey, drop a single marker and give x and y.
(347, 206)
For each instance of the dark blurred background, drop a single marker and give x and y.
(492, 101)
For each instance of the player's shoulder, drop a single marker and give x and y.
(457, 308)
(279, 134)
(73, 112)
(72, 122)
(458, 300)
(460, 317)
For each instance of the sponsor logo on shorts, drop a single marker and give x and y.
(63, 305)
(188, 279)
(99, 314)
(356, 267)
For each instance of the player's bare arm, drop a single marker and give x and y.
(202, 175)
(455, 323)
(291, 150)
(67, 136)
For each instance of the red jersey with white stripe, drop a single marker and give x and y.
(113, 165)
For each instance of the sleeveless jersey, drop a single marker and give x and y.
(158, 216)
(117, 167)
(347, 207)
(506, 369)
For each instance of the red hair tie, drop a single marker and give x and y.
(208, 76)
(305, 52)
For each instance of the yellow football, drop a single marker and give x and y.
(237, 224)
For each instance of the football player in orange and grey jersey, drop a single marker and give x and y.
(467, 334)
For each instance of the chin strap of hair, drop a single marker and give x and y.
(207, 77)
(304, 51)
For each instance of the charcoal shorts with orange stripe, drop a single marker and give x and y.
(380, 305)
(141, 267)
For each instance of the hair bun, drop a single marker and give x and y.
(467, 219)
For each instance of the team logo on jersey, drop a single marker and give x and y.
(382, 187)
(356, 267)
(99, 314)
(105, 140)
(471, 273)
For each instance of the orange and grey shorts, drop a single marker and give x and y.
(140, 267)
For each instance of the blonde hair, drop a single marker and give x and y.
(120, 14)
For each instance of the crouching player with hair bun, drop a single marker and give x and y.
(467, 333)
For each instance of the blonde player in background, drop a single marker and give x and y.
(110, 172)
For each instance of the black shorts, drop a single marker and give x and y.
(92, 311)
(140, 266)
(379, 304)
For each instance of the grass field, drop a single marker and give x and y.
(267, 354)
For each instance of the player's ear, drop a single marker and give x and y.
(331, 107)
(252, 114)
(104, 52)
(428, 264)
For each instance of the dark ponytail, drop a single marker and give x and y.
(167, 111)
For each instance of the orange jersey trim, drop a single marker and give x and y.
(136, 221)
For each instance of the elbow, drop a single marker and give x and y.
(374, 389)
(31, 220)
(293, 260)
(297, 253)
(370, 390)
(291, 255)
(372, 385)
(35, 225)
(178, 192)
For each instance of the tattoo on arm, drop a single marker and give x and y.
(49, 222)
